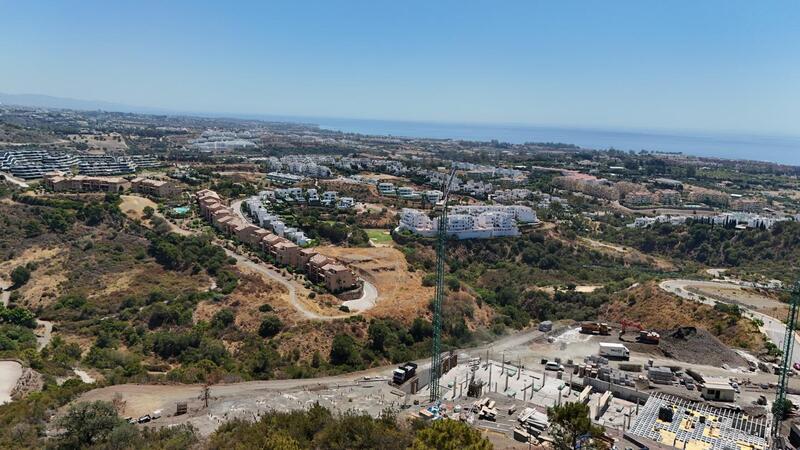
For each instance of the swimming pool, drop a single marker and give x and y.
(181, 210)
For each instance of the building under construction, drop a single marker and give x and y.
(689, 425)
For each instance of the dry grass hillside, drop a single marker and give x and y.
(656, 309)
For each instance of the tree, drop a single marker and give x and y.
(148, 212)
(358, 238)
(20, 275)
(450, 435)
(222, 319)
(343, 350)
(88, 423)
(270, 326)
(421, 329)
(378, 333)
(569, 422)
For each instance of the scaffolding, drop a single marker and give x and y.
(698, 426)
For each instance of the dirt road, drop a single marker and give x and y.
(141, 399)
(5, 293)
(43, 337)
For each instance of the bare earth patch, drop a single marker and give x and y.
(252, 292)
(401, 294)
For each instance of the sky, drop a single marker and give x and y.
(710, 65)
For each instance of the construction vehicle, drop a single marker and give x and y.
(645, 336)
(404, 373)
(649, 337)
(595, 328)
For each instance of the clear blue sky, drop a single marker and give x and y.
(683, 65)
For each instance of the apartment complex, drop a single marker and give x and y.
(59, 182)
(155, 188)
(336, 277)
(470, 222)
(36, 163)
(81, 183)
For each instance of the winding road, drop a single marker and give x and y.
(773, 328)
(368, 299)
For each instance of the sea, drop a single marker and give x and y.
(777, 149)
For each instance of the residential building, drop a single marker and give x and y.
(640, 198)
(155, 188)
(81, 183)
(668, 197)
(433, 196)
(346, 203)
(386, 189)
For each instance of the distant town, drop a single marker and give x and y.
(196, 270)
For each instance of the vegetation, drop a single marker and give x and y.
(504, 273)
(97, 425)
(570, 423)
(270, 326)
(20, 275)
(759, 251)
(450, 435)
(23, 422)
(318, 428)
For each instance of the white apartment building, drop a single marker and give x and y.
(330, 196)
(346, 203)
(386, 188)
(522, 214)
(481, 222)
(433, 196)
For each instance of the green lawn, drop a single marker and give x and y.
(379, 236)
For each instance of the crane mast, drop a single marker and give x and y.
(786, 361)
(441, 242)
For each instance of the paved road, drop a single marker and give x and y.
(14, 180)
(368, 299)
(288, 284)
(236, 206)
(774, 329)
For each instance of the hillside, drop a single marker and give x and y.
(756, 251)
(510, 273)
(658, 310)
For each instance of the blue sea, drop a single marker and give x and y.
(779, 149)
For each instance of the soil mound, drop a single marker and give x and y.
(698, 346)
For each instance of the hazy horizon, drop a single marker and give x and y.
(779, 149)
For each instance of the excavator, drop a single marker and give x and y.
(645, 336)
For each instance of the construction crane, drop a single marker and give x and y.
(441, 241)
(786, 363)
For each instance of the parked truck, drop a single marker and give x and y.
(404, 373)
(595, 328)
(613, 350)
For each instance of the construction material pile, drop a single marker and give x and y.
(698, 346)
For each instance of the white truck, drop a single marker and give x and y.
(614, 350)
